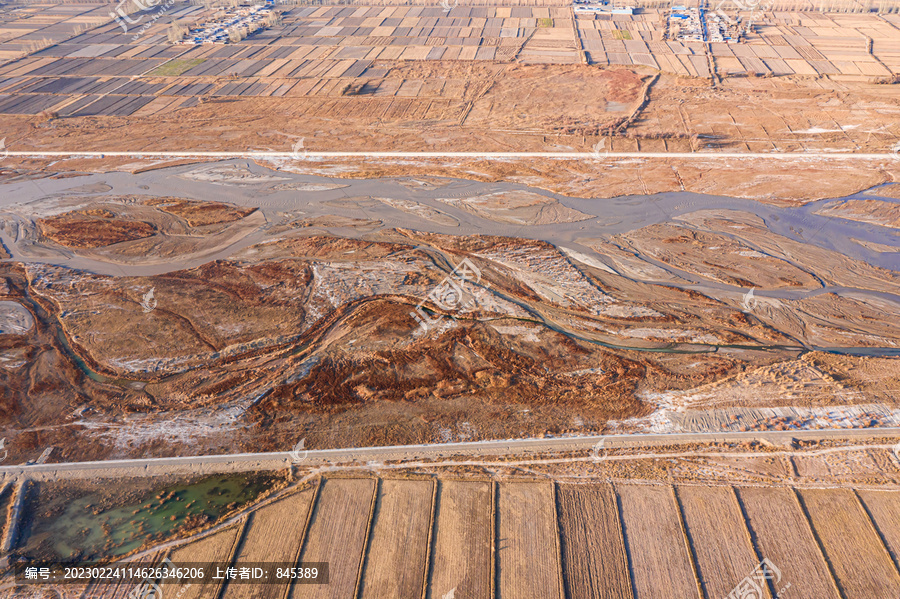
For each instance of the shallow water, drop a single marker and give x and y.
(611, 216)
(608, 217)
(79, 530)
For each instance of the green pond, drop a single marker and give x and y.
(78, 531)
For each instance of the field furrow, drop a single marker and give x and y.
(782, 535)
(273, 533)
(884, 507)
(719, 538)
(218, 548)
(461, 546)
(593, 551)
(527, 542)
(857, 556)
(396, 557)
(657, 550)
(337, 535)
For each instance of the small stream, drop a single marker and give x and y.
(608, 217)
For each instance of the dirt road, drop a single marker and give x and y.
(408, 453)
(304, 154)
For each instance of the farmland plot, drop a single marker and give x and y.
(660, 564)
(527, 553)
(593, 551)
(811, 466)
(858, 559)
(783, 536)
(886, 461)
(461, 548)
(337, 535)
(884, 506)
(217, 548)
(273, 533)
(124, 589)
(719, 537)
(396, 558)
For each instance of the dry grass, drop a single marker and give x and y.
(337, 535)
(782, 534)
(396, 557)
(655, 543)
(274, 534)
(461, 548)
(79, 231)
(198, 214)
(527, 542)
(218, 548)
(884, 507)
(719, 537)
(114, 590)
(852, 547)
(593, 551)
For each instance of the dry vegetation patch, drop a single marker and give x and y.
(884, 508)
(528, 553)
(782, 535)
(198, 214)
(876, 212)
(657, 549)
(518, 208)
(401, 527)
(718, 536)
(593, 551)
(462, 545)
(217, 548)
(274, 533)
(93, 229)
(338, 535)
(859, 560)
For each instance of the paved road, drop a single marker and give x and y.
(272, 461)
(479, 155)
